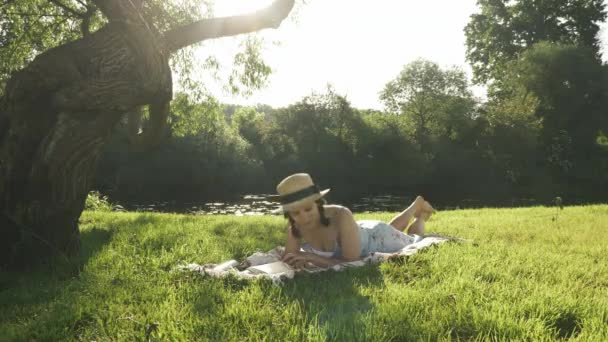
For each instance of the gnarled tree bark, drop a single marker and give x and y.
(57, 114)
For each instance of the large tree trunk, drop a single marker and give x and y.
(55, 118)
(57, 114)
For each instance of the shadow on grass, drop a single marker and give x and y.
(58, 304)
(24, 295)
(330, 302)
(92, 241)
(334, 301)
(43, 283)
(339, 305)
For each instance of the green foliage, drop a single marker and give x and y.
(504, 29)
(477, 154)
(249, 123)
(433, 101)
(561, 92)
(97, 202)
(191, 119)
(520, 278)
(570, 85)
(167, 15)
(204, 157)
(31, 27)
(602, 139)
(250, 72)
(325, 134)
(389, 158)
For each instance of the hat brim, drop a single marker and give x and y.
(305, 200)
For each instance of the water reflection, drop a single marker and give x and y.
(248, 205)
(381, 203)
(259, 204)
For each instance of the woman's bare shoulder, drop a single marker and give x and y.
(335, 210)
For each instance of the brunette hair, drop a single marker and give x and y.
(324, 219)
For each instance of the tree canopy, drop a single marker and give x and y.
(433, 100)
(503, 29)
(30, 27)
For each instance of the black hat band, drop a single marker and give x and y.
(298, 195)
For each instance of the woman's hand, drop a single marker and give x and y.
(296, 260)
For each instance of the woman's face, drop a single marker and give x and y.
(305, 215)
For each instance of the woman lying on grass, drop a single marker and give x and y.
(326, 235)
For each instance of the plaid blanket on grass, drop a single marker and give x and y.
(254, 266)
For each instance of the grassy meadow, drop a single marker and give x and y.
(532, 274)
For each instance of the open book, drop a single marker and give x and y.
(274, 267)
(271, 268)
(226, 265)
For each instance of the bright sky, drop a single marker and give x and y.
(357, 46)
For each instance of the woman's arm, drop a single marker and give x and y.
(348, 230)
(292, 245)
(300, 259)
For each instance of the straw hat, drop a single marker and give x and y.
(298, 189)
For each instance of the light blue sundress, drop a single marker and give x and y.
(375, 236)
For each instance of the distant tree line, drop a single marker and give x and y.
(535, 141)
(541, 133)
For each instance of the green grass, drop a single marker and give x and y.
(530, 274)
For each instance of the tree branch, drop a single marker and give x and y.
(23, 14)
(151, 135)
(270, 17)
(84, 4)
(86, 20)
(85, 16)
(117, 10)
(66, 8)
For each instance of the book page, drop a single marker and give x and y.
(271, 268)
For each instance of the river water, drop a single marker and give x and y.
(258, 204)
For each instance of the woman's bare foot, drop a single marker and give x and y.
(423, 212)
(423, 209)
(417, 227)
(418, 202)
(402, 220)
(418, 205)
